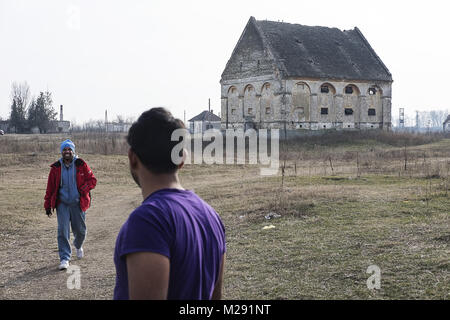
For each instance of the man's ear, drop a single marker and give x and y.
(133, 159)
(185, 154)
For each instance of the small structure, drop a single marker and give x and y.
(204, 121)
(116, 126)
(447, 124)
(4, 125)
(56, 126)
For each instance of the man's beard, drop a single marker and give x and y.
(68, 157)
(135, 178)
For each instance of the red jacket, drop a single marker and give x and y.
(86, 181)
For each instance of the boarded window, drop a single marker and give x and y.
(348, 90)
(250, 110)
(348, 111)
(323, 110)
(301, 99)
(268, 110)
(372, 112)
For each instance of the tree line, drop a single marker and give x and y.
(29, 112)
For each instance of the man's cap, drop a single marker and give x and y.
(68, 144)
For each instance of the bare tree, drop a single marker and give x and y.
(20, 97)
(20, 92)
(438, 117)
(433, 118)
(120, 119)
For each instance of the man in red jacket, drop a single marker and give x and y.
(68, 191)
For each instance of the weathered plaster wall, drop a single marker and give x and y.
(263, 102)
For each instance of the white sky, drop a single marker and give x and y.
(128, 56)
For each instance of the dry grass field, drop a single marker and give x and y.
(344, 204)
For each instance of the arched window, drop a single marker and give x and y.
(374, 103)
(250, 101)
(327, 88)
(350, 101)
(233, 102)
(351, 89)
(326, 98)
(267, 99)
(301, 98)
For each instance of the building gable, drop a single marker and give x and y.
(251, 57)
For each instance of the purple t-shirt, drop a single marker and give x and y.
(184, 228)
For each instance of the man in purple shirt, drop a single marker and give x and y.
(173, 245)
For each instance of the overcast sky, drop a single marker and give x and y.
(128, 56)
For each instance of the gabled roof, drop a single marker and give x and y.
(321, 52)
(206, 116)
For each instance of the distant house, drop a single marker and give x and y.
(118, 126)
(304, 77)
(447, 124)
(204, 121)
(4, 125)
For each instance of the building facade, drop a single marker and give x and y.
(299, 77)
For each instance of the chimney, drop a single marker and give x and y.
(209, 105)
(61, 117)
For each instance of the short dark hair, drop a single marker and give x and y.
(150, 139)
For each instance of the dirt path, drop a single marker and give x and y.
(29, 257)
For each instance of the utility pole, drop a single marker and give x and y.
(417, 119)
(106, 120)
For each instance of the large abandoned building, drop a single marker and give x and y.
(303, 77)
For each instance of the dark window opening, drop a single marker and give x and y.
(348, 90)
(324, 89)
(349, 126)
(324, 126)
(372, 91)
(258, 64)
(323, 110)
(371, 112)
(300, 126)
(348, 111)
(209, 126)
(240, 66)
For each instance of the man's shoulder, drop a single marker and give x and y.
(56, 164)
(79, 162)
